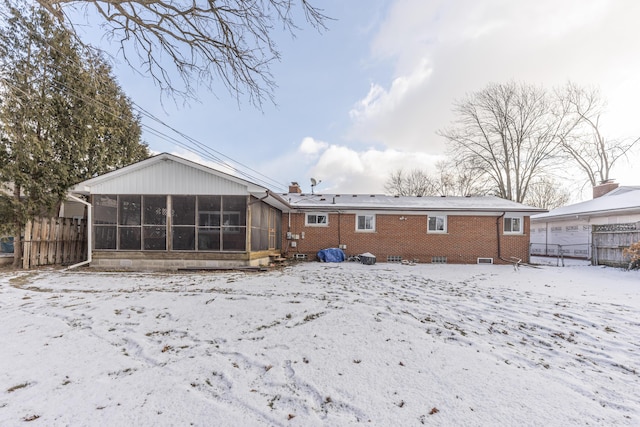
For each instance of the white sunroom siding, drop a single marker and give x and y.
(169, 177)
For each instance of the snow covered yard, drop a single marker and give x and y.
(322, 344)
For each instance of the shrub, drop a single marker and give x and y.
(633, 252)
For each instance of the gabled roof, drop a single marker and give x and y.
(622, 200)
(169, 174)
(154, 160)
(382, 202)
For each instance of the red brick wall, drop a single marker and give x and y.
(467, 238)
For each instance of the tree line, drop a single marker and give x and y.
(512, 139)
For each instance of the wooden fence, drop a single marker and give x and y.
(54, 241)
(610, 240)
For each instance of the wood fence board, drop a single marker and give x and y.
(610, 240)
(44, 241)
(26, 246)
(35, 243)
(50, 241)
(59, 241)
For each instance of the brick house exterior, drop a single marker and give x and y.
(470, 228)
(166, 212)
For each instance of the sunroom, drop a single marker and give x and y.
(169, 213)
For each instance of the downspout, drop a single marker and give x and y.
(498, 236)
(89, 232)
(339, 228)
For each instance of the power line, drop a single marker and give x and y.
(184, 141)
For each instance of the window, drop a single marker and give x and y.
(154, 230)
(198, 223)
(437, 224)
(317, 219)
(513, 225)
(105, 220)
(222, 223)
(365, 223)
(183, 220)
(265, 226)
(130, 219)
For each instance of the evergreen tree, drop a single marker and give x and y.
(63, 118)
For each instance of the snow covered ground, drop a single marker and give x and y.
(322, 345)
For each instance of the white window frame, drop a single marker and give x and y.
(316, 215)
(372, 223)
(510, 220)
(444, 220)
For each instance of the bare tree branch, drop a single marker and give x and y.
(510, 134)
(548, 194)
(207, 41)
(594, 154)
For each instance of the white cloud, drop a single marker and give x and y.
(312, 147)
(344, 170)
(442, 50)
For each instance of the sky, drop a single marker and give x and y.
(322, 344)
(367, 96)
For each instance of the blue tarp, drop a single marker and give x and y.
(331, 255)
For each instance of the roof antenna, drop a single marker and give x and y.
(313, 184)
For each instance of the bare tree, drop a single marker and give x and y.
(454, 180)
(594, 154)
(415, 183)
(509, 134)
(548, 194)
(206, 40)
(449, 180)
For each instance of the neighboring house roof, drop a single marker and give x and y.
(622, 200)
(169, 174)
(331, 202)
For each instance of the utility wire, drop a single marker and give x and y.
(190, 144)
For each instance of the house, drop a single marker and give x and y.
(427, 229)
(167, 212)
(569, 230)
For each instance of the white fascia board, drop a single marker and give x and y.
(430, 212)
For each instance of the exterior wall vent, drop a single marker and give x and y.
(439, 260)
(301, 256)
(394, 258)
(485, 260)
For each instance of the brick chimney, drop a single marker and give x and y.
(295, 188)
(604, 187)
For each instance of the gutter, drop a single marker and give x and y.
(89, 233)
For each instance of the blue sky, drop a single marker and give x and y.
(366, 97)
